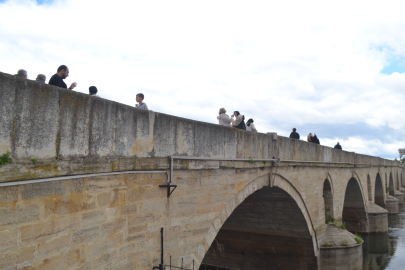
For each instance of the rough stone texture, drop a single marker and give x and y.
(114, 221)
(377, 219)
(391, 204)
(73, 133)
(339, 250)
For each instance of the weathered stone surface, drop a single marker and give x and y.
(114, 221)
(44, 189)
(19, 214)
(85, 235)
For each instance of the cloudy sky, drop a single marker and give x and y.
(333, 69)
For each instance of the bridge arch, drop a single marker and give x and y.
(354, 214)
(328, 200)
(379, 198)
(274, 204)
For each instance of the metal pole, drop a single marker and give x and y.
(193, 264)
(181, 263)
(161, 250)
(170, 262)
(171, 170)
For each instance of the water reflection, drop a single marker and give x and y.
(387, 251)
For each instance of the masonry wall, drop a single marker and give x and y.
(72, 133)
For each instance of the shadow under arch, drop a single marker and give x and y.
(328, 200)
(354, 214)
(260, 228)
(379, 198)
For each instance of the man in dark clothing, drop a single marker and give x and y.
(60, 75)
(338, 146)
(315, 139)
(294, 134)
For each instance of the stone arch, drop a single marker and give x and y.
(354, 214)
(328, 200)
(379, 191)
(391, 186)
(369, 188)
(257, 192)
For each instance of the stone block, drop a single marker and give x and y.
(126, 130)
(184, 137)
(40, 190)
(54, 246)
(8, 194)
(75, 185)
(135, 237)
(45, 229)
(104, 245)
(137, 229)
(19, 214)
(209, 140)
(74, 120)
(112, 213)
(113, 227)
(7, 111)
(144, 142)
(8, 238)
(92, 218)
(36, 125)
(165, 135)
(104, 260)
(130, 209)
(104, 199)
(85, 235)
(103, 118)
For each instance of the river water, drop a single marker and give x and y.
(386, 251)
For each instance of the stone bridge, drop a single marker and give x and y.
(88, 189)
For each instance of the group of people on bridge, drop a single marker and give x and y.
(236, 120)
(62, 73)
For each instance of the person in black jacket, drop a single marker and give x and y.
(338, 146)
(294, 134)
(239, 121)
(315, 139)
(61, 74)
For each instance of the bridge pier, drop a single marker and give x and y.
(399, 196)
(377, 219)
(340, 250)
(391, 204)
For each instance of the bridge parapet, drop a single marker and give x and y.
(69, 133)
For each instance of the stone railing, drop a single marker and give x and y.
(51, 131)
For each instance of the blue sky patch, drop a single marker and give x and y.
(395, 64)
(40, 2)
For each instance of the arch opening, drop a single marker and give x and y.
(369, 189)
(265, 231)
(354, 211)
(328, 201)
(379, 192)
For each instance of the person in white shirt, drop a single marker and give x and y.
(141, 105)
(224, 119)
(250, 126)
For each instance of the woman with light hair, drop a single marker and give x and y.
(224, 119)
(309, 138)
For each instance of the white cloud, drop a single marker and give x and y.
(294, 62)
